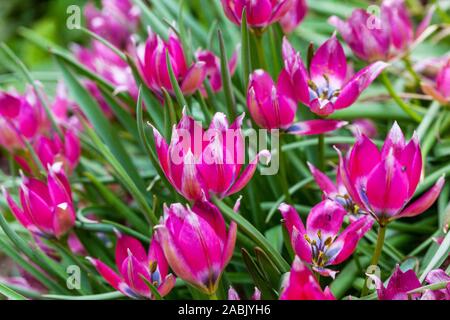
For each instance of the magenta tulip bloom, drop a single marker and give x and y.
(400, 283)
(325, 88)
(47, 208)
(441, 89)
(200, 163)
(137, 268)
(52, 150)
(153, 66)
(260, 13)
(295, 16)
(383, 183)
(372, 38)
(321, 243)
(19, 121)
(302, 285)
(212, 65)
(274, 107)
(105, 62)
(196, 243)
(115, 22)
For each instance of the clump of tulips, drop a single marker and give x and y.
(232, 155)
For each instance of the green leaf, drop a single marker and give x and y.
(226, 78)
(438, 258)
(245, 49)
(10, 293)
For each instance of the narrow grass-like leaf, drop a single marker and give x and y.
(226, 78)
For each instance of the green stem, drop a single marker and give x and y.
(283, 175)
(260, 51)
(405, 107)
(412, 72)
(376, 253)
(213, 296)
(321, 151)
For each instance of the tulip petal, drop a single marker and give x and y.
(329, 65)
(194, 78)
(324, 183)
(326, 218)
(357, 84)
(112, 278)
(9, 105)
(311, 127)
(424, 202)
(126, 245)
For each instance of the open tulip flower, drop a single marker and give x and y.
(302, 285)
(200, 163)
(402, 284)
(321, 243)
(274, 107)
(260, 13)
(152, 63)
(440, 90)
(47, 207)
(325, 88)
(196, 243)
(383, 183)
(137, 269)
(372, 38)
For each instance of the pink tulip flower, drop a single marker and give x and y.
(441, 89)
(115, 22)
(399, 284)
(325, 88)
(196, 243)
(52, 150)
(137, 268)
(19, 121)
(200, 163)
(153, 67)
(383, 183)
(373, 38)
(321, 243)
(301, 285)
(290, 21)
(47, 208)
(212, 65)
(260, 13)
(274, 107)
(434, 277)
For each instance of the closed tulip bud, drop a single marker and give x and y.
(152, 63)
(46, 207)
(259, 13)
(196, 243)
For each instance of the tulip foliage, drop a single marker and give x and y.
(230, 149)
